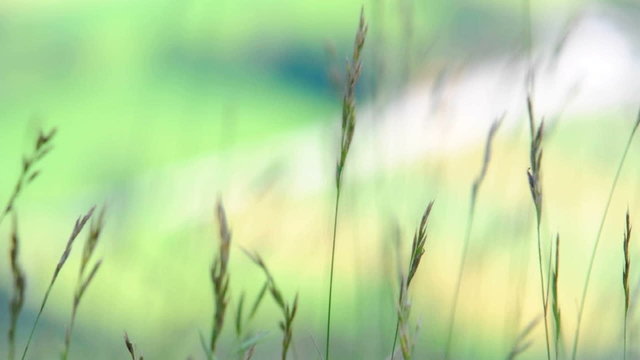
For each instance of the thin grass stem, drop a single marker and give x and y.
(417, 250)
(35, 323)
(333, 255)
(475, 187)
(348, 124)
(576, 339)
(79, 225)
(625, 279)
(542, 293)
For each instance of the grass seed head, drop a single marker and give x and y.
(403, 331)
(225, 234)
(95, 230)
(77, 228)
(220, 276)
(289, 310)
(535, 158)
(419, 242)
(84, 281)
(354, 69)
(487, 157)
(28, 171)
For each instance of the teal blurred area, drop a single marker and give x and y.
(163, 107)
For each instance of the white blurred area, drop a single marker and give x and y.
(589, 65)
(586, 63)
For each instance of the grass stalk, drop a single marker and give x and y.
(465, 249)
(576, 339)
(522, 343)
(289, 310)
(247, 340)
(348, 128)
(535, 186)
(29, 172)
(131, 348)
(403, 331)
(19, 286)
(333, 253)
(555, 305)
(84, 279)
(77, 228)
(625, 280)
(402, 324)
(220, 278)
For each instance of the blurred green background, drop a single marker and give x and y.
(163, 107)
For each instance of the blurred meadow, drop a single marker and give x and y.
(164, 107)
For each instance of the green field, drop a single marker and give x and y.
(163, 107)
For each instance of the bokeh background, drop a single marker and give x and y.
(165, 106)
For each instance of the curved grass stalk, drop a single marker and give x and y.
(80, 222)
(348, 128)
(542, 291)
(467, 237)
(404, 305)
(333, 255)
(84, 278)
(576, 339)
(535, 186)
